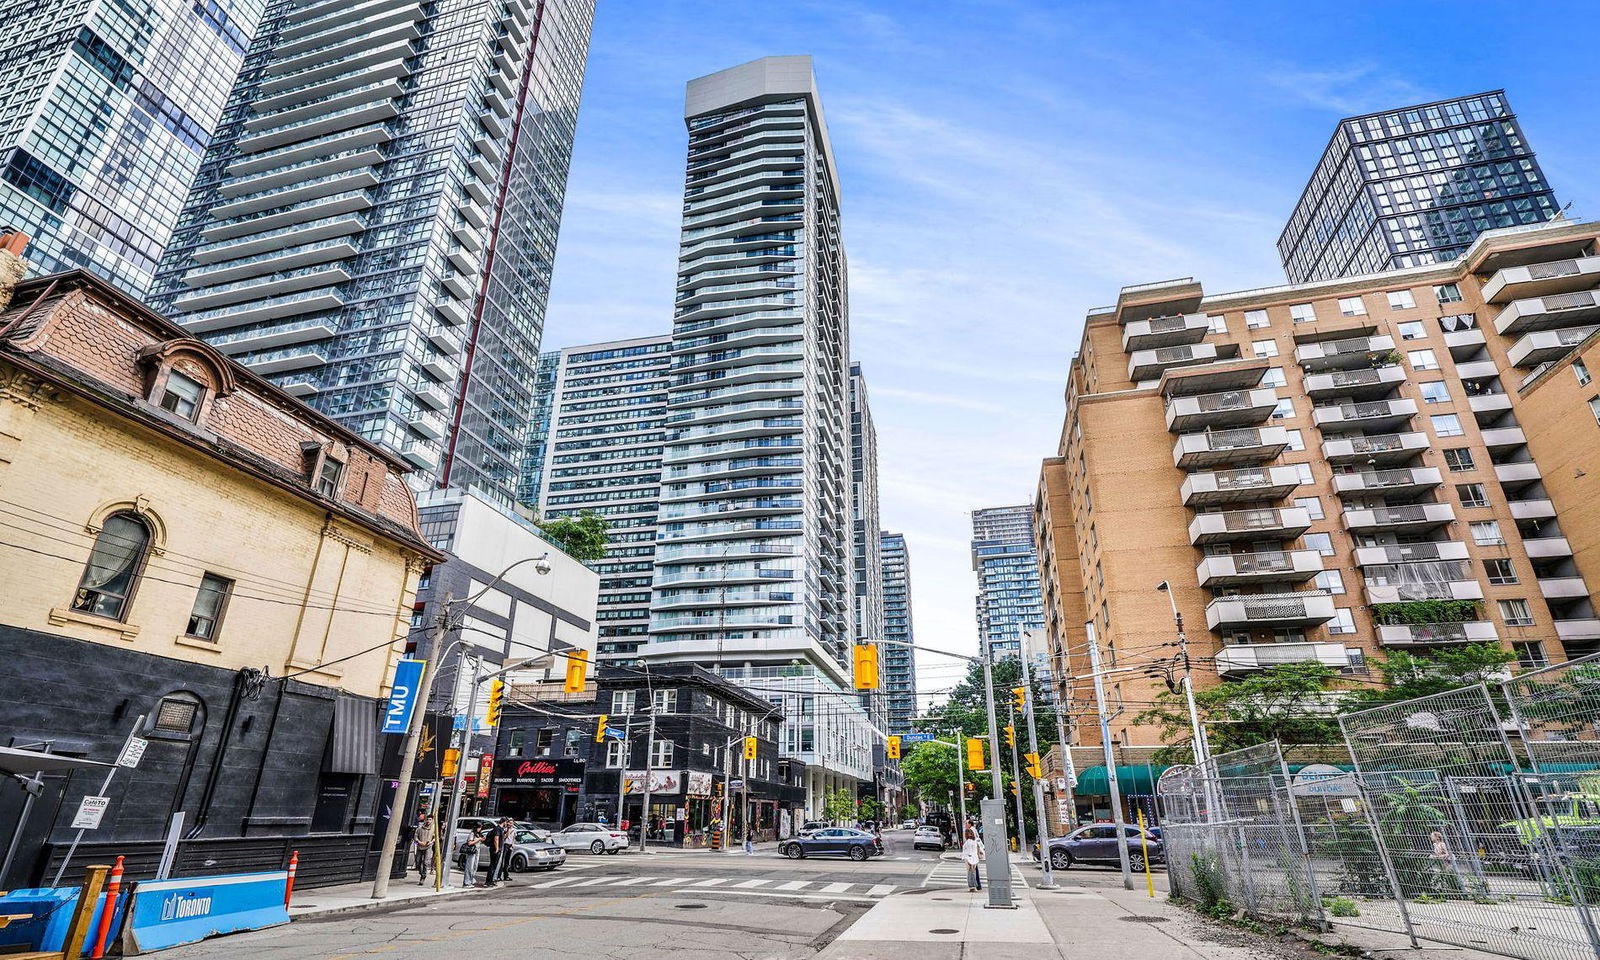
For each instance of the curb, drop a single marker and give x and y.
(371, 905)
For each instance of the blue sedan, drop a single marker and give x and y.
(833, 841)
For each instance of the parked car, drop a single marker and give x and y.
(840, 841)
(909, 825)
(928, 838)
(1097, 843)
(812, 826)
(533, 849)
(593, 837)
(463, 830)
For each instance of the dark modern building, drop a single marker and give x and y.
(373, 226)
(899, 660)
(1414, 186)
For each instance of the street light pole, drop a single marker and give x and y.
(1047, 878)
(1110, 761)
(458, 780)
(961, 782)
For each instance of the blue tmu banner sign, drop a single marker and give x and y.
(403, 695)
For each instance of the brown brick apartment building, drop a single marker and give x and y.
(1328, 471)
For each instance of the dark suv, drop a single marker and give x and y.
(1097, 843)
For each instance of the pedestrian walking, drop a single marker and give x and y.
(422, 841)
(972, 856)
(471, 850)
(1446, 879)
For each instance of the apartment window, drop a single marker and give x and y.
(1581, 371)
(1459, 460)
(209, 603)
(515, 742)
(666, 701)
(182, 395)
(1423, 360)
(1255, 319)
(329, 474)
(1447, 293)
(1515, 613)
(1412, 330)
(1435, 391)
(1296, 442)
(1274, 377)
(1284, 410)
(1302, 313)
(1530, 655)
(1302, 472)
(543, 741)
(614, 756)
(1352, 307)
(1312, 506)
(622, 701)
(1486, 533)
(113, 569)
(1500, 571)
(1264, 348)
(1343, 622)
(1320, 542)
(1594, 408)
(1218, 324)
(1331, 581)
(1446, 425)
(574, 738)
(1400, 300)
(1472, 495)
(660, 754)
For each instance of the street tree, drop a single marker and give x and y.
(1292, 703)
(582, 537)
(1406, 676)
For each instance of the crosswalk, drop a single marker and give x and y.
(953, 873)
(759, 887)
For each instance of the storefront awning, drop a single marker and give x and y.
(1092, 781)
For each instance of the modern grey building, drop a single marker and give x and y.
(1414, 186)
(1007, 564)
(866, 550)
(105, 112)
(601, 452)
(374, 223)
(899, 662)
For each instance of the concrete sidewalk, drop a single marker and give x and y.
(357, 898)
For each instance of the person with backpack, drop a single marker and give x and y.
(471, 850)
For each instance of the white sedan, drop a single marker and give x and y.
(593, 837)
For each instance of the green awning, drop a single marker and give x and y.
(1130, 780)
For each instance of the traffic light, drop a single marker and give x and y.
(1020, 695)
(893, 748)
(749, 748)
(866, 661)
(975, 754)
(1011, 736)
(497, 696)
(600, 728)
(577, 671)
(1034, 769)
(970, 788)
(447, 766)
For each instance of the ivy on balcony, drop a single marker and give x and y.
(1425, 611)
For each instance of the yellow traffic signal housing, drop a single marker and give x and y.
(600, 728)
(893, 748)
(1020, 695)
(497, 696)
(577, 671)
(451, 760)
(975, 754)
(1011, 736)
(1034, 769)
(749, 748)
(866, 661)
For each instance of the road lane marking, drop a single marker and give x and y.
(631, 881)
(880, 890)
(753, 883)
(795, 885)
(837, 887)
(554, 883)
(711, 882)
(670, 881)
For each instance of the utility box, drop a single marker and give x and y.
(996, 854)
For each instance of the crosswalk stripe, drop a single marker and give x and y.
(558, 881)
(710, 883)
(880, 890)
(630, 881)
(753, 883)
(837, 887)
(670, 881)
(794, 885)
(596, 882)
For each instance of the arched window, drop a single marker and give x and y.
(113, 568)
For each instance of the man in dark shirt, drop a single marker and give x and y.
(495, 839)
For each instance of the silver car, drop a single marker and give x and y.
(593, 837)
(532, 849)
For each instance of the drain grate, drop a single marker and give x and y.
(944, 930)
(690, 906)
(1143, 919)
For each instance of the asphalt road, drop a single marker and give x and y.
(632, 906)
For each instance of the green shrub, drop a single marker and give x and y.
(1341, 906)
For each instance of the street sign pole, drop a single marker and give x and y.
(1047, 880)
(458, 782)
(132, 750)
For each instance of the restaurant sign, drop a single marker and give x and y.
(537, 772)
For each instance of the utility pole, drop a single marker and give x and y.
(649, 748)
(622, 776)
(961, 781)
(1016, 783)
(1110, 761)
(458, 782)
(994, 809)
(1047, 879)
(408, 755)
(1202, 750)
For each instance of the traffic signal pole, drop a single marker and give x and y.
(1016, 782)
(1047, 880)
(1110, 760)
(458, 781)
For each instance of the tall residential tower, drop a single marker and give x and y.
(899, 661)
(1007, 565)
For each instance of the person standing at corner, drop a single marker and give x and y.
(508, 838)
(471, 850)
(972, 856)
(422, 840)
(494, 839)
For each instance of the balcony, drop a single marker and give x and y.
(1348, 354)
(1273, 566)
(1358, 384)
(1389, 585)
(305, 331)
(1408, 552)
(1150, 364)
(318, 126)
(1534, 509)
(1231, 374)
(423, 454)
(433, 394)
(1547, 313)
(452, 312)
(1409, 481)
(256, 288)
(1542, 279)
(1165, 332)
(1375, 450)
(1540, 346)
(1246, 485)
(276, 308)
(1563, 588)
(1546, 548)
(1240, 658)
(1464, 343)
(285, 360)
(1426, 634)
(1259, 524)
(1218, 447)
(1360, 416)
(1503, 438)
(1477, 370)
(1585, 628)
(1229, 408)
(1303, 609)
(1406, 518)
(1489, 404)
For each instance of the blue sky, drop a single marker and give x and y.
(1005, 166)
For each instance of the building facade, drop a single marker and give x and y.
(227, 575)
(1007, 565)
(373, 226)
(104, 116)
(899, 659)
(1414, 186)
(1331, 471)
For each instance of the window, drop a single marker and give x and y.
(1486, 533)
(1530, 655)
(113, 568)
(1331, 581)
(1296, 441)
(1446, 425)
(1459, 460)
(1312, 506)
(1218, 324)
(614, 756)
(1320, 542)
(1302, 313)
(175, 715)
(1255, 319)
(543, 740)
(1500, 571)
(1472, 495)
(1284, 410)
(329, 473)
(1401, 300)
(1342, 622)
(1412, 330)
(1264, 348)
(209, 604)
(1423, 360)
(1274, 377)
(1302, 472)
(666, 701)
(1435, 391)
(1352, 307)
(182, 395)
(1515, 613)
(517, 740)
(1594, 408)
(1447, 293)
(574, 738)
(1581, 371)
(622, 701)
(660, 754)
